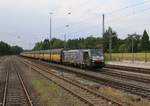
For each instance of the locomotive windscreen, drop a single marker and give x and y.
(96, 52)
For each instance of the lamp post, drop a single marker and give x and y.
(132, 49)
(66, 26)
(50, 34)
(65, 39)
(110, 44)
(146, 52)
(50, 27)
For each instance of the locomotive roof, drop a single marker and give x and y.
(75, 50)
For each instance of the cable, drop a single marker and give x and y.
(114, 11)
(127, 7)
(135, 13)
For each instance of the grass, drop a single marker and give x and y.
(133, 100)
(128, 56)
(52, 94)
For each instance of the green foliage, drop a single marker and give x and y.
(72, 44)
(145, 41)
(111, 35)
(57, 43)
(89, 42)
(6, 49)
(38, 46)
(122, 48)
(16, 50)
(136, 39)
(50, 94)
(140, 43)
(42, 45)
(46, 44)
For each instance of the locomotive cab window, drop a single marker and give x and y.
(97, 52)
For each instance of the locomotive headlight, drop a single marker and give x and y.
(97, 58)
(102, 58)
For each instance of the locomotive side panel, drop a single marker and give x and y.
(73, 57)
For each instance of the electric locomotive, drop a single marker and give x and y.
(84, 57)
(78, 57)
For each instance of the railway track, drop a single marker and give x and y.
(3, 90)
(15, 92)
(130, 69)
(112, 81)
(86, 95)
(3, 82)
(144, 78)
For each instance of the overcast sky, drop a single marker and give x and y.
(24, 22)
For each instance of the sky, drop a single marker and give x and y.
(25, 22)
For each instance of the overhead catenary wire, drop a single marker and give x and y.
(82, 30)
(114, 19)
(132, 14)
(127, 7)
(116, 11)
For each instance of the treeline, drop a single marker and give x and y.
(135, 42)
(89, 42)
(6, 49)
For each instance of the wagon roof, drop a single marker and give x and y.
(44, 51)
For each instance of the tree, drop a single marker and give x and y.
(46, 44)
(145, 41)
(136, 38)
(73, 44)
(38, 46)
(118, 45)
(123, 48)
(57, 43)
(6, 49)
(110, 35)
(81, 43)
(90, 42)
(16, 50)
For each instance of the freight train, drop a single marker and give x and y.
(80, 57)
